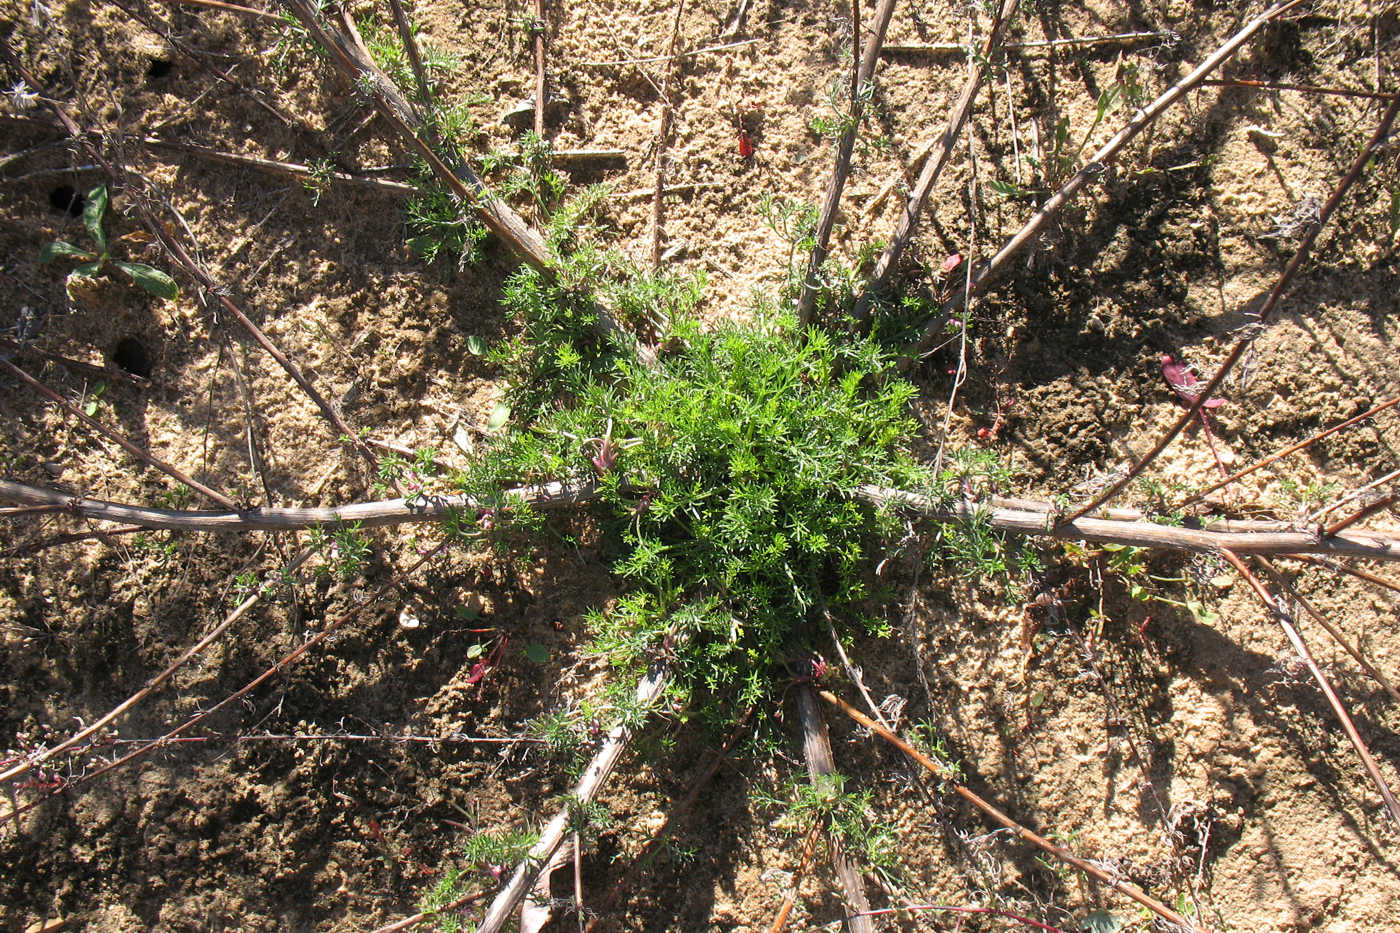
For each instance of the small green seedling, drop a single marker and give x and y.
(92, 264)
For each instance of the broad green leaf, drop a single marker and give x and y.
(57, 248)
(1101, 921)
(85, 274)
(537, 652)
(93, 211)
(499, 416)
(475, 651)
(475, 345)
(152, 280)
(1007, 190)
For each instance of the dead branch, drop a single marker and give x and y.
(420, 74)
(676, 813)
(1242, 537)
(152, 685)
(934, 160)
(355, 65)
(365, 514)
(1301, 88)
(234, 8)
(821, 767)
(1075, 42)
(1337, 635)
(1294, 448)
(525, 875)
(1025, 517)
(1286, 621)
(844, 148)
(91, 369)
(118, 438)
(663, 138)
(1290, 271)
(408, 923)
(1106, 154)
(997, 816)
(541, 77)
(1357, 572)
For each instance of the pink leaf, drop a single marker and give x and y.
(1184, 382)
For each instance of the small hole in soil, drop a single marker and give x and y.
(132, 356)
(159, 68)
(64, 198)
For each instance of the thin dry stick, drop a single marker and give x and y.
(663, 138)
(366, 514)
(1285, 620)
(541, 79)
(957, 48)
(354, 64)
(1303, 88)
(1338, 636)
(420, 74)
(1045, 845)
(680, 809)
(211, 288)
(846, 145)
(118, 438)
(1301, 445)
(34, 547)
(821, 767)
(1352, 496)
(1270, 303)
(809, 848)
(92, 369)
(228, 8)
(1353, 571)
(934, 160)
(1378, 506)
(285, 662)
(542, 852)
(152, 685)
(1028, 518)
(408, 923)
(1109, 151)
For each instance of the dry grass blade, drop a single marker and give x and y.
(1286, 621)
(1109, 151)
(933, 163)
(222, 7)
(502, 909)
(1357, 572)
(118, 438)
(1380, 505)
(91, 369)
(1040, 842)
(846, 145)
(1208, 390)
(423, 916)
(821, 768)
(151, 686)
(663, 138)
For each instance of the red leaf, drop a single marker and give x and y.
(746, 149)
(478, 671)
(1184, 382)
(951, 263)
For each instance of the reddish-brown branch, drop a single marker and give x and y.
(997, 816)
(811, 283)
(1289, 273)
(1293, 449)
(1338, 636)
(809, 848)
(1303, 88)
(118, 438)
(1286, 621)
(1052, 207)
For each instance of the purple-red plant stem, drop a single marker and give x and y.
(1379, 505)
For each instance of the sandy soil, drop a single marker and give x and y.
(1189, 751)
